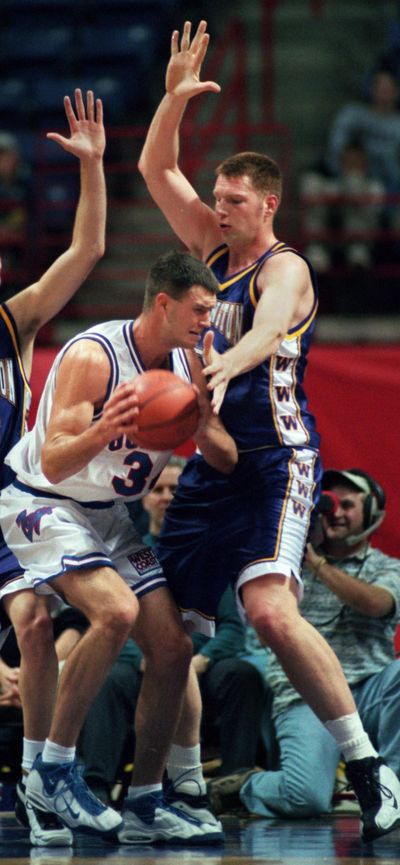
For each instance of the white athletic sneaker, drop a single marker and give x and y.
(46, 829)
(60, 789)
(149, 820)
(378, 791)
(194, 803)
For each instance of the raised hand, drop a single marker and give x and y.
(183, 71)
(87, 139)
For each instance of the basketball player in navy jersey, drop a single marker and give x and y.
(251, 527)
(20, 319)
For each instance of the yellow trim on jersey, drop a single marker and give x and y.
(27, 389)
(272, 399)
(239, 275)
(305, 326)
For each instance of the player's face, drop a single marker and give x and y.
(240, 208)
(190, 315)
(348, 518)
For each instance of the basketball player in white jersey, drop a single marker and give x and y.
(65, 519)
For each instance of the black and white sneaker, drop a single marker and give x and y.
(378, 791)
(46, 830)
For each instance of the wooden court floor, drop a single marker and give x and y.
(334, 840)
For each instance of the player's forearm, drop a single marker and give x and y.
(254, 347)
(65, 455)
(161, 148)
(218, 448)
(88, 237)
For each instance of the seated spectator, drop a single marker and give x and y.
(376, 125)
(341, 214)
(352, 595)
(156, 502)
(11, 729)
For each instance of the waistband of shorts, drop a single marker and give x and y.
(49, 495)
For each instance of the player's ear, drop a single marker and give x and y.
(162, 300)
(271, 204)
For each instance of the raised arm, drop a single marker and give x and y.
(42, 300)
(192, 220)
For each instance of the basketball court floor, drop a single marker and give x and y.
(255, 841)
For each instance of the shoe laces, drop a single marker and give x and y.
(73, 782)
(372, 791)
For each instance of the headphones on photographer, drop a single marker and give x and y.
(374, 501)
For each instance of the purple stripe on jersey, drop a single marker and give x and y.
(132, 347)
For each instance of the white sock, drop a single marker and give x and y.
(351, 737)
(134, 792)
(31, 748)
(53, 753)
(185, 770)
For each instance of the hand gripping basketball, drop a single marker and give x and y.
(168, 410)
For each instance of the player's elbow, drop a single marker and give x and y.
(226, 465)
(97, 250)
(50, 469)
(143, 166)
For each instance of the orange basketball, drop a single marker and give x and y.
(168, 410)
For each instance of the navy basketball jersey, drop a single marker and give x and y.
(15, 392)
(265, 407)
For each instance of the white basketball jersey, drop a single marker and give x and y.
(120, 470)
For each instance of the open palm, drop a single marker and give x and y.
(183, 71)
(86, 127)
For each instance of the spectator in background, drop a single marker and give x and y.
(341, 214)
(376, 126)
(352, 596)
(14, 199)
(156, 502)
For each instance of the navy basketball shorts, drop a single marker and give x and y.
(222, 529)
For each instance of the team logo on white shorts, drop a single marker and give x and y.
(30, 523)
(144, 560)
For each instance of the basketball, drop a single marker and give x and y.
(168, 410)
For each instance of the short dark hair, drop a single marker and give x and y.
(263, 171)
(175, 273)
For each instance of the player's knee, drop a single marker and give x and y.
(272, 625)
(117, 617)
(34, 633)
(174, 654)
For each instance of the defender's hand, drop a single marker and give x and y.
(217, 371)
(183, 71)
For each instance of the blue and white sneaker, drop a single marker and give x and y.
(59, 788)
(185, 795)
(149, 820)
(46, 830)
